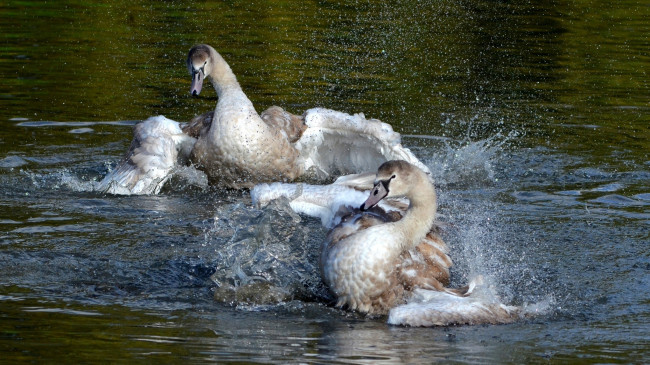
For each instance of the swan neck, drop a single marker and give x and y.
(420, 216)
(221, 75)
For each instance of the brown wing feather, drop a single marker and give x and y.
(292, 125)
(199, 125)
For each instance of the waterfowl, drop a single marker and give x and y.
(237, 147)
(386, 255)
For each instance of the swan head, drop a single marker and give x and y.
(199, 64)
(394, 179)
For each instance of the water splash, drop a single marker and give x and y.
(469, 177)
(265, 256)
(11, 162)
(183, 178)
(59, 179)
(467, 163)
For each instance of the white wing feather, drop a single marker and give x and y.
(321, 201)
(150, 160)
(337, 143)
(427, 308)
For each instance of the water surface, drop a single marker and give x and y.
(534, 119)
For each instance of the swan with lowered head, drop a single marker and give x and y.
(386, 257)
(238, 148)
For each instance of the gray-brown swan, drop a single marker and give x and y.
(386, 256)
(238, 148)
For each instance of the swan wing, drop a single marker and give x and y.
(199, 125)
(290, 125)
(426, 308)
(318, 201)
(336, 143)
(157, 145)
(328, 202)
(363, 181)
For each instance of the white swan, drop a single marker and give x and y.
(387, 257)
(239, 148)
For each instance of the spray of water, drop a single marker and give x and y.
(468, 181)
(183, 178)
(265, 256)
(468, 163)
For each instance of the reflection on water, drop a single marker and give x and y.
(532, 117)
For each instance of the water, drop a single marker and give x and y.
(533, 118)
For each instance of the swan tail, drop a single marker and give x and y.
(339, 143)
(157, 144)
(428, 308)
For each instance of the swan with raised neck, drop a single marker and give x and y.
(237, 147)
(240, 148)
(202, 61)
(361, 268)
(387, 257)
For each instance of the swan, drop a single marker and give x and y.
(237, 147)
(386, 256)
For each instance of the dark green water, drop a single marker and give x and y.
(534, 117)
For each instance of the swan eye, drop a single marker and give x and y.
(392, 177)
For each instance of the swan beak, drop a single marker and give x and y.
(378, 192)
(197, 82)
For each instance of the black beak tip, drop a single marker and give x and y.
(363, 207)
(194, 93)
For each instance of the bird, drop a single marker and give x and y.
(386, 256)
(238, 148)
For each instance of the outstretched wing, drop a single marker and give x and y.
(337, 143)
(148, 163)
(319, 201)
